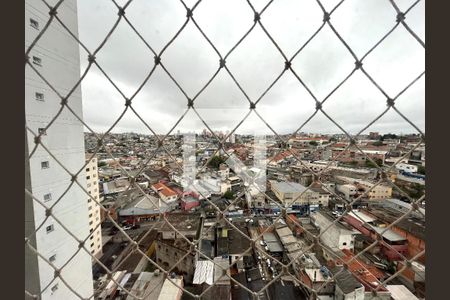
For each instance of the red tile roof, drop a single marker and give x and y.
(163, 189)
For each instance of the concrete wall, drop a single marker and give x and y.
(167, 256)
(60, 65)
(334, 237)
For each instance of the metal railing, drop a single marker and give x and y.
(398, 20)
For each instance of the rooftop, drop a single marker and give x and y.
(182, 222)
(345, 280)
(287, 187)
(163, 189)
(400, 292)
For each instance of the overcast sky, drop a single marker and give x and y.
(255, 63)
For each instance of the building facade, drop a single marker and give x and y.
(56, 57)
(95, 230)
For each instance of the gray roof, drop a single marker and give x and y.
(144, 205)
(389, 234)
(345, 280)
(288, 187)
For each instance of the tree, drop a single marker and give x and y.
(101, 164)
(228, 195)
(313, 143)
(353, 163)
(216, 161)
(378, 143)
(421, 170)
(370, 164)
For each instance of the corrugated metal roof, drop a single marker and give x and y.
(204, 272)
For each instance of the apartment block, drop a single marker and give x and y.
(95, 239)
(56, 56)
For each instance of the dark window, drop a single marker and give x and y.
(37, 61)
(42, 131)
(47, 197)
(34, 23)
(39, 96)
(49, 228)
(45, 164)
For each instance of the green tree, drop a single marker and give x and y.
(216, 161)
(421, 170)
(353, 163)
(313, 143)
(228, 195)
(101, 164)
(370, 164)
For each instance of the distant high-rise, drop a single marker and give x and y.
(56, 57)
(95, 239)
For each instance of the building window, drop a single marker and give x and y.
(34, 24)
(89, 200)
(37, 61)
(45, 164)
(92, 237)
(90, 223)
(54, 288)
(98, 246)
(47, 197)
(88, 177)
(92, 251)
(88, 185)
(90, 215)
(87, 169)
(52, 258)
(42, 131)
(39, 96)
(91, 230)
(49, 228)
(92, 245)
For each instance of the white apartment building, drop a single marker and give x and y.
(348, 190)
(379, 192)
(95, 239)
(56, 56)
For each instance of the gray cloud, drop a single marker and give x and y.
(256, 62)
